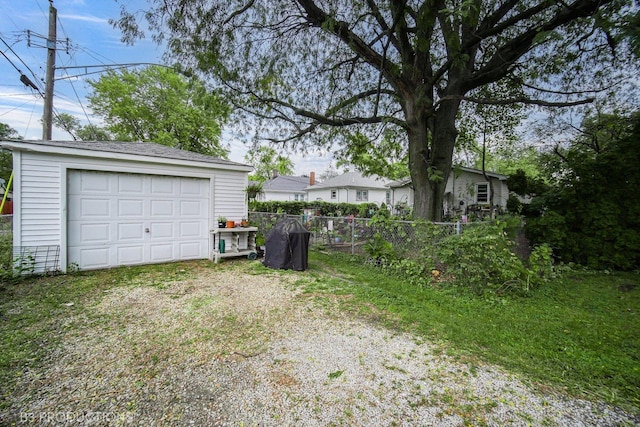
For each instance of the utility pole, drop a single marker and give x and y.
(47, 115)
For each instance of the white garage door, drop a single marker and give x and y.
(123, 219)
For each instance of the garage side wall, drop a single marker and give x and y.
(39, 201)
(230, 198)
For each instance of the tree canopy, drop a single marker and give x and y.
(6, 159)
(590, 214)
(267, 162)
(333, 72)
(73, 126)
(160, 105)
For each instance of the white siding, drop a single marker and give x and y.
(230, 200)
(347, 195)
(402, 195)
(282, 196)
(323, 194)
(40, 196)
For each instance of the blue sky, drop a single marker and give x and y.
(92, 41)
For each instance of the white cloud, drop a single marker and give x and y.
(84, 18)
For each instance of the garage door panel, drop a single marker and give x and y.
(162, 230)
(133, 231)
(130, 184)
(189, 250)
(128, 255)
(91, 258)
(193, 187)
(96, 232)
(190, 229)
(92, 183)
(161, 185)
(131, 208)
(162, 208)
(110, 213)
(191, 208)
(94, 208)
(162, 252)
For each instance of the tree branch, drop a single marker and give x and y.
(383, 24)
(240, 11)
(502, 60)
(521, 100)
(318, 18)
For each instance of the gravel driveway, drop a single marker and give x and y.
(227, 346)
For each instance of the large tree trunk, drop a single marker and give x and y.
(430, 158)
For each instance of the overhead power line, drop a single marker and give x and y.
(23, 78)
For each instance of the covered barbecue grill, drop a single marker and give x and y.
(287, 246)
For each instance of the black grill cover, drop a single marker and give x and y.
(287, 246)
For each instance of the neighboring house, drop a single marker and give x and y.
(351, 187)
(107, 204)
(286, 188)
(466, 190)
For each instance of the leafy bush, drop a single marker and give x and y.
(482, 260)
(363, 210)
(379, 249)
(591, 216)
(6, 257)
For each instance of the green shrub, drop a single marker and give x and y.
(482, 260)
(6, 257)
(379, 250)
(362, 210)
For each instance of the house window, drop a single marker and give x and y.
(362, 195)
(482, 192)
(388, 198)
(298, 197)
(334, 194)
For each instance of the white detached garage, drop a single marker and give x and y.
(107, 204)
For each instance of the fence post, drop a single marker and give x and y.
(353, 237)
(458, 228)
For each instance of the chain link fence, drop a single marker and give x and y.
(352, 235)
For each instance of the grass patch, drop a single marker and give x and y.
(580, 333)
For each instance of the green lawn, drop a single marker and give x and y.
(580, 333)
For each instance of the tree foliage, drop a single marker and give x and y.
(6, 159)
(267, 163)
(160, 105)
(326, 71)
(73, 126)
(591, 215)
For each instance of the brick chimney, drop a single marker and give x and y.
(312, 178)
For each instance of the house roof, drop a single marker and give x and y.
(352, 179)
(478, 171)
(405, 181)
(100, 148)
(286, 183)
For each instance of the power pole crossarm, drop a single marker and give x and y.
(47, 123)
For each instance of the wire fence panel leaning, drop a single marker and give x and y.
(408, 239)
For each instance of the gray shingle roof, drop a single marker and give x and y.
(286, 183)
(150, 149)
(353, 179)
(404, 181)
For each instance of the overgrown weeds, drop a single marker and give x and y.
(482, 259)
